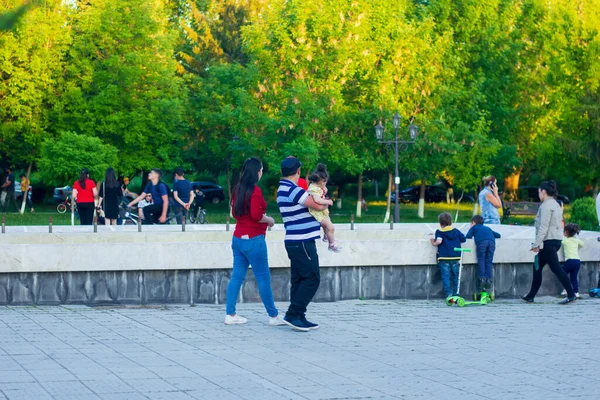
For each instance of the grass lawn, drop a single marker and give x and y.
(217, 213)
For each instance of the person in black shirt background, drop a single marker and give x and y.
(183, 194)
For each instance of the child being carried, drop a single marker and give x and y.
(318, 190)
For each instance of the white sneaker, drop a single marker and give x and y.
(564, 292)
(276, 321)
(235, 320)
(324, 239)
(577, 295)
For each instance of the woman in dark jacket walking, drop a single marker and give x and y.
(110, 197)
(548, 239)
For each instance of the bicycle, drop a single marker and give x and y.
(66, 205)
(133, 217)
(199, 217)
(196, 213)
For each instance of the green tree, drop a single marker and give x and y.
(62, 158)
(122, 85)
(31, 65)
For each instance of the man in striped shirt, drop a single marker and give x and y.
(301, 230)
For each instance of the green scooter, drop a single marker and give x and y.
(459, 301)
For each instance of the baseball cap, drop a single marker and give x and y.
(290, 165)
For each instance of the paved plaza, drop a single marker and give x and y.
(364, 350)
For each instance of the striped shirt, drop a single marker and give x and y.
(300, 225)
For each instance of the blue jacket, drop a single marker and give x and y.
(451, 238)
(481, 233)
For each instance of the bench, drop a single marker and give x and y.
(519, 208)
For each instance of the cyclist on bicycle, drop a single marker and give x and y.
(156, 212)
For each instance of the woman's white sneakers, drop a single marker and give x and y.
(234, 320)
(276, 321)
(237, 320)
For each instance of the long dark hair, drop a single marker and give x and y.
(83, 175)
(243, 190)
(110, 179)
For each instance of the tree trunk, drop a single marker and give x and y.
(359, 200)
(511, 185)
(376, 184)
(476, 203)
(229, 187)
(26, 193)
(458, 206)
(389, 199)
(421, 212)
(144, 180)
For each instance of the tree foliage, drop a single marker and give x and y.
(62, 159)
(495, 86)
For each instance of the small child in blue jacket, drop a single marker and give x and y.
(485, 243)
(447, 239)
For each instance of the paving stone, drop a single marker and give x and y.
(375, 349)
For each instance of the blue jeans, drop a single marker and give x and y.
(492, 221)
(571, 268)
(449, 270)
(485, 258)
(248, 252)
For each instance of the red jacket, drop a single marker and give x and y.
(248, 224)
(302, 183)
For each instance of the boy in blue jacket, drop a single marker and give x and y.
(485, 243)
(447, 239)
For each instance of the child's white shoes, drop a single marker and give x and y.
(334, 247)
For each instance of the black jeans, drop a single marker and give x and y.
(180, 212)
(571, 268)
(549, 255)
(305, 278)
(86, 213)
(152, 213)
(10, 197)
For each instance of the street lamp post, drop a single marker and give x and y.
(398, 144)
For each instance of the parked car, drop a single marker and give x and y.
(530, 193)
(212, 192)
(61, 193)
(433, 194)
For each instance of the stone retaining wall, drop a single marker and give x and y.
(209, 286)
(119, 265)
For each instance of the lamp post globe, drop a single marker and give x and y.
(413, 130)
(379, 131)
(396, 120)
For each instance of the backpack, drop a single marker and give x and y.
(169, 191)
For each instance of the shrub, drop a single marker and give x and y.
(583, 212)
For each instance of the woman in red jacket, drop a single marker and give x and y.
(85, 193)
(248, 243)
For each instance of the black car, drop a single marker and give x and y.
(530, 193)
(61, 193)
(212, 192)
(433, 194)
